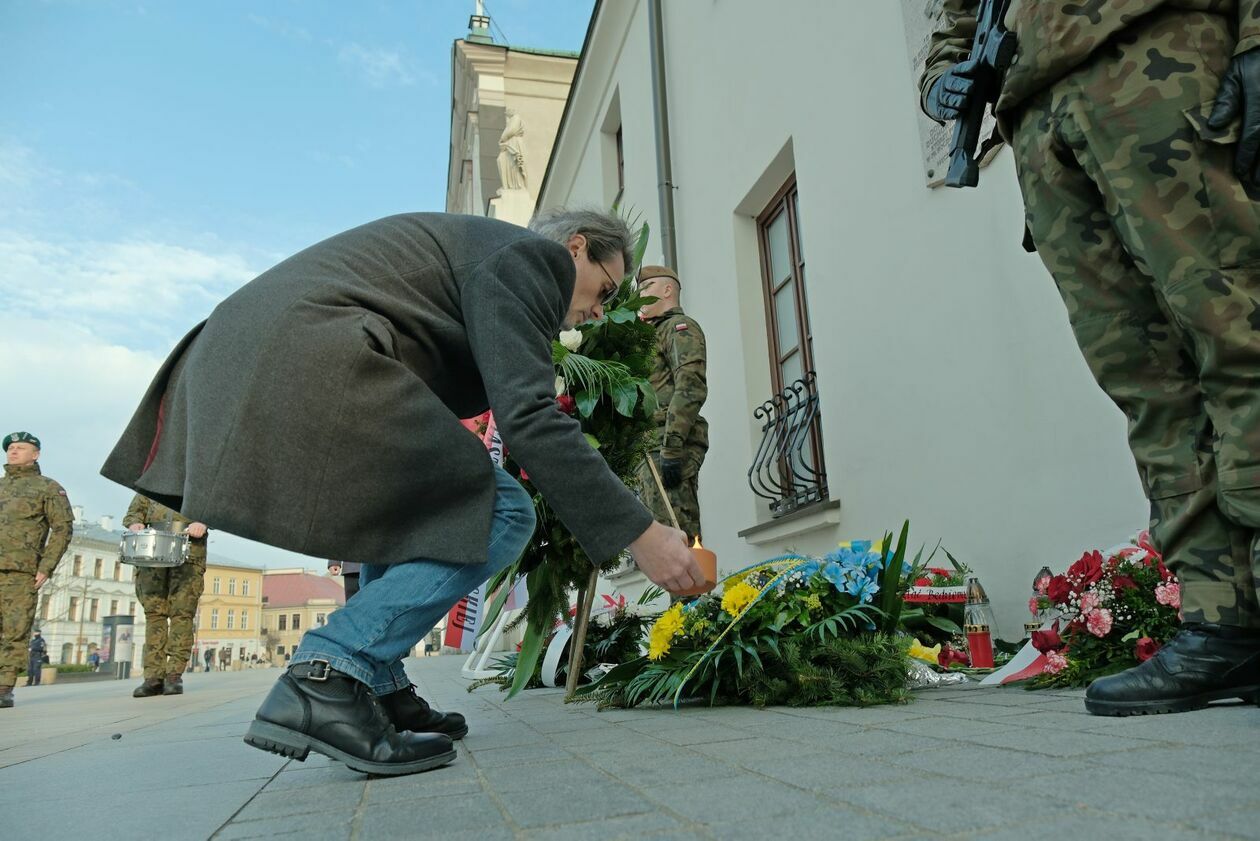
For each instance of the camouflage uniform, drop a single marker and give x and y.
(168, 594)
(35, 527)
(1155, 248)
(678, 376)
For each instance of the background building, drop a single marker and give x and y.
(917, 359)
(294, 601)
(90, 583)
(229, 615)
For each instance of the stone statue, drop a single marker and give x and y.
(512, 153)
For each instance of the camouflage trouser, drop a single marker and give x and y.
(684, 499)
(169, 597)
(17, 612)
(1155, 249)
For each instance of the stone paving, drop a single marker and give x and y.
(955, 763)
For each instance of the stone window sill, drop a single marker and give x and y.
(820, 515)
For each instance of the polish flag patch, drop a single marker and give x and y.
(678, 328)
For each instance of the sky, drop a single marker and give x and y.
(155, 156)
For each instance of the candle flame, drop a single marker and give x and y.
(696, 543)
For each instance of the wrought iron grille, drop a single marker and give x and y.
(788, 468)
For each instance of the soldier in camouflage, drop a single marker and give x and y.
(678, 375)
(35, 528)
(169, 596)
(1135, 126)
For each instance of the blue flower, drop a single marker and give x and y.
(867, 591)
(861, 547)
(837, 575)
(808, 568)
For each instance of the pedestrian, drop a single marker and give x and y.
(36, 652)
(1135, 128)
(679, 375)
(419, 319)
(349, 572)
(209, 657)
(36, 524)
(94, 660)
(169, 596)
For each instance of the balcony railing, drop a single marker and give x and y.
(788, 470)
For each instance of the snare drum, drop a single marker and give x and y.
(153, 548)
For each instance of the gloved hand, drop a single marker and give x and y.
(671, 472)
(947, 99)
(1239, 96)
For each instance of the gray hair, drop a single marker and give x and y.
(607, 234)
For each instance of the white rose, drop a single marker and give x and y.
(571, 339)
(561, 385)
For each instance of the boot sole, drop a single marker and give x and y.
(281, 740)
(1251, 694)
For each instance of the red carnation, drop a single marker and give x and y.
(949, 655)
(1145, 649)
(1047, 641)
(1088, 569)
(1123, 582)
(923, 582)
(566, 403)
(1059, 590)
(941, 571)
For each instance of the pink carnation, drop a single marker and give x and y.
(1055, 663)
(1090, 601)
(1099, 622)
(1043, 584)
(1034, 605)
(1168, 594)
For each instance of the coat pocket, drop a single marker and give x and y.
(1235, 215)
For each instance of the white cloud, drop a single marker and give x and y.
(378, 66)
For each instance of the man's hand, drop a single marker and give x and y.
(671, 472)
(40, 578)
(196, 530)
(335, 569)
(948, 98)
(136, 527)
(663, 555)
(1239, 96)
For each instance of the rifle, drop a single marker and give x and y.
(992, 49)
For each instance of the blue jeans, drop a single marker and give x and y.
(397, 604)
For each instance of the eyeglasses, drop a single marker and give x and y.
(614, 287)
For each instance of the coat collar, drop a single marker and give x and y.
(14, 471)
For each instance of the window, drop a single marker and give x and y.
(244, 620)
(231, 586)
(94, 605)
(244, 586)
(214, 586)
(297, 621)
(45, 606)
(231, 619)
(118, 570)
(98, 569)
(279, 649)
(78, 566)
(789, 470)
(74, 608)
(283, 626)
(319, 620)
(113, 607)
(214, 619)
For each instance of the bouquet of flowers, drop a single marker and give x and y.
(934, 598)
(1117, 609)
(793, 630)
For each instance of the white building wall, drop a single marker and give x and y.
(952, 390)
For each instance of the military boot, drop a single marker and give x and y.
(6, 697)
(1201, 664)
(313, 707)
(408, 711)
(173, 685)
(151, 686)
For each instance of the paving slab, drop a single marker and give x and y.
(1007, 763)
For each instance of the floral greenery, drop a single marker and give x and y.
(941, 623)
(1118, 609)
(606, 387)
(793, 630)
(612, 637)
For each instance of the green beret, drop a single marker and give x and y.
(652, 272)
(20, 438)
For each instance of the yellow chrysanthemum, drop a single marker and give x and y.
(738, 597)
(664, 631)
(921, 652)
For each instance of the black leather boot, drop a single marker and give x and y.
(151, 686)
(173, 685)
(1201, 664)
(408, 711)
(313, 707)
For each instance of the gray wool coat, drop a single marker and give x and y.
(317, 408)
